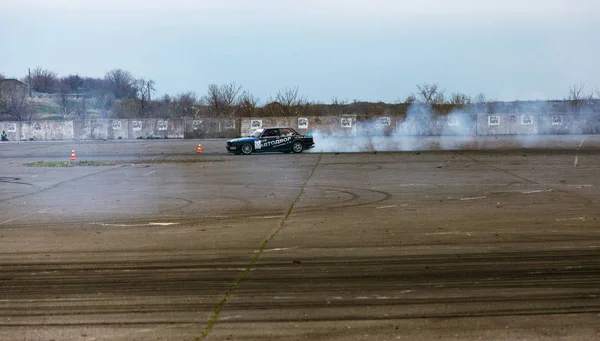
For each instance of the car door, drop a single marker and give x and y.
(286, 138)
(268, 140)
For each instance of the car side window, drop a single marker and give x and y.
(270, 133)
(286, 132)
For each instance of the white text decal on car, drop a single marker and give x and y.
(272, 143)
(257, 144)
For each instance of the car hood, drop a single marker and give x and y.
(243, 139)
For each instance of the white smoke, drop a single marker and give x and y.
(421, 129)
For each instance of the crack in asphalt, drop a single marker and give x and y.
(237, 281)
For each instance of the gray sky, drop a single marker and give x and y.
(372, 50)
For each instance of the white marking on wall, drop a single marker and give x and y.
(256, 124)
(196, 124)
(11, 128)
(557, 120)
(136, 125)
(163, 125)
(383, 121)
(302, 123)
(526, 120)
(493, 120)
(346, 122)
(453, 121)
(230, 124)
(116, 124)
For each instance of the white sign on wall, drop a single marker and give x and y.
(494, 120)
(383, 121)
(116, 124)
(302, 123)
(230, 124)
(136, 125)
(526, 120)
(11, 128)
(346, 122)
(557, 120)
(453, 121)
(163, 125)
(256, 124)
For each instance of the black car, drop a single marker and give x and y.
(271, 139)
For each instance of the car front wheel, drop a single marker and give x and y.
(297, 147)
(247, 149)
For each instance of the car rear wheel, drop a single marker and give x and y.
(246, 149)
(297, 147)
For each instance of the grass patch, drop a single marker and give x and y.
(83, 163)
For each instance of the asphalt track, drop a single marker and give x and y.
(500, 241)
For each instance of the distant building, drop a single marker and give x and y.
(14, 86)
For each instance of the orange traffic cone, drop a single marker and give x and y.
(199, 148)
(73, 154)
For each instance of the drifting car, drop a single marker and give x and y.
(271, 139)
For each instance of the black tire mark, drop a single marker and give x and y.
(586, 200)
(62, 182)
(11, 180)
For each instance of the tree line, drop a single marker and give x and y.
(119, 94)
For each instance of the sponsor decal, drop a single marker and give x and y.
(116, 124)
(272, 143)
(11, 128)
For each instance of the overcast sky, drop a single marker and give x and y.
(372, 50)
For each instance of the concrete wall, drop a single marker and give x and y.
(413, 125)
(523, 124)
(507, 124)
(46, 130)
(210, 127)
(325, 125)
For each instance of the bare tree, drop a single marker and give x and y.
(430, 94)
(577, 96)
(248, 104)
(43, 80)
(288, 102)
(144, 89)
(410, 99)
(339, 107)
(459, 99)
(224, 100)
(185, 105)
(14, 103)
(121, 83)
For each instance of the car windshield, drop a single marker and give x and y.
(257, 133)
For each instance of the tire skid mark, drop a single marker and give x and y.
(217, 310)
(587, 201)
(63, 182)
